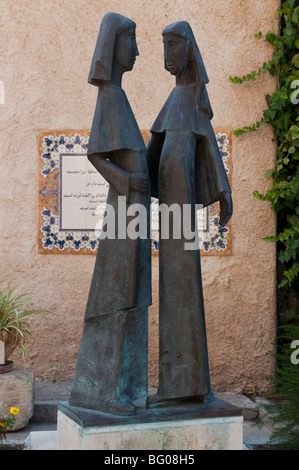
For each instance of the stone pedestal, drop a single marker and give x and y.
(213, 426)
(17, 390)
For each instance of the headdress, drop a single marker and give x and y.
(101, 66)
(183, 29)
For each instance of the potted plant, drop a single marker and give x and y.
(14, 310)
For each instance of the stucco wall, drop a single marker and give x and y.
(45, 54)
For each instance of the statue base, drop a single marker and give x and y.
(209, 426)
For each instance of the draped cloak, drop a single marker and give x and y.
(114, 125)
(122, 275)
(180, 112)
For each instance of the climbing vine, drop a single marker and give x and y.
(283, 114)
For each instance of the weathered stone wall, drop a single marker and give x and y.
(45, 54)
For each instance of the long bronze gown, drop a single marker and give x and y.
(111, 370)
(189, 171)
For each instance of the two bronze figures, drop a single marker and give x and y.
(181, 165)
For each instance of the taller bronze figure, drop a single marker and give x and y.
(112, 367)
(185, 168)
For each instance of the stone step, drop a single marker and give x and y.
(45, 412)
(41, 440)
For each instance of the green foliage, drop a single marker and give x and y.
(282, 114)
(252, 128)
(284, 409)
(15, 307)
(7, 422)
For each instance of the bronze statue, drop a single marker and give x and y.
(112, 367)
(185, 168)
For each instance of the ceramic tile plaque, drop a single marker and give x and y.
(82, 193)
(72, 198)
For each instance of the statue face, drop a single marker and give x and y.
(125, 49)
(176, 53)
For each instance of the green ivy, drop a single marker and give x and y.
(283, 114)
(283, 411)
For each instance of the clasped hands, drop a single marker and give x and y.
(140, 182)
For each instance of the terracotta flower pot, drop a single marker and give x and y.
(7, 367)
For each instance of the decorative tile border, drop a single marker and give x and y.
(218, 240)
(214, 240)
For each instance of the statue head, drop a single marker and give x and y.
(177, 50)
(125, 48)
(180, 52)
(116, 44)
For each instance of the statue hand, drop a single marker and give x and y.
(140, 182)
(226, 208)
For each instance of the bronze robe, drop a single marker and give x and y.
(188, 170)
(111, 370)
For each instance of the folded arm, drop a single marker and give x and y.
(122, 181)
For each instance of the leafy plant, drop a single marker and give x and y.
(15, 307)
(284, 411)
(282, 113)
(7, 422)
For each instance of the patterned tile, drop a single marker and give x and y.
(213, 239)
